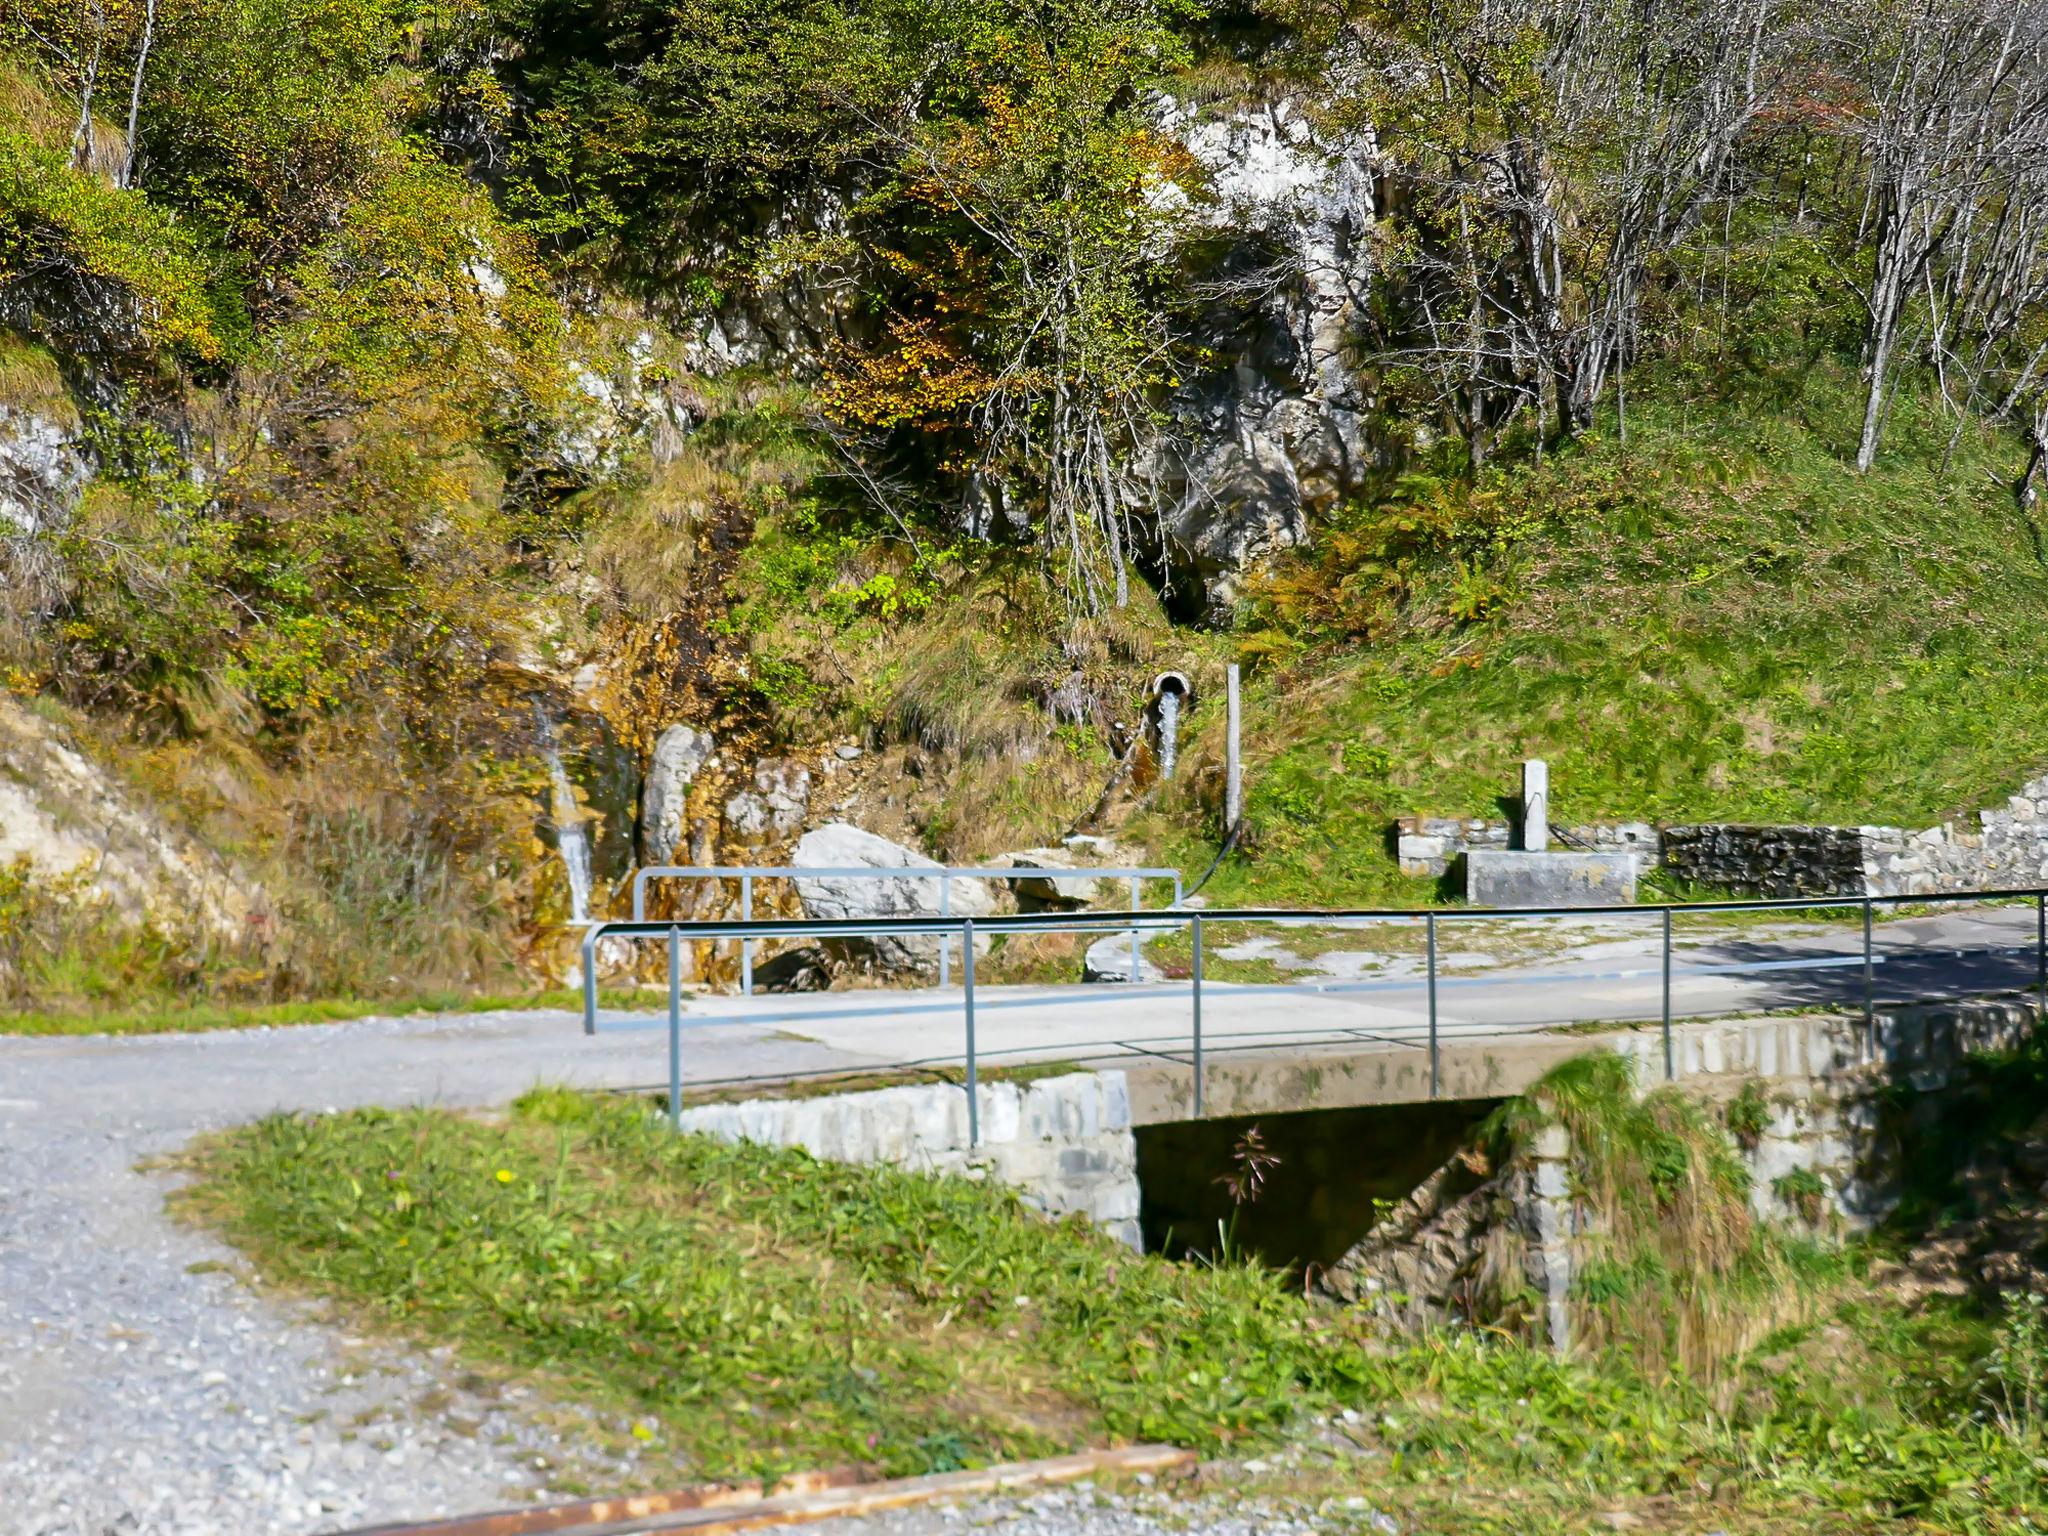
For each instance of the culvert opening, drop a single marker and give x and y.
(1333, 1171)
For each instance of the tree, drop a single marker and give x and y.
(1952, 127)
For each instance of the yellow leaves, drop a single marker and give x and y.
(924, 379)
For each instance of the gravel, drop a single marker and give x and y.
(146, 1388)
(1086, 1510)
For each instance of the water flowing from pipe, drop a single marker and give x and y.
(572, 838)
(1169, 731)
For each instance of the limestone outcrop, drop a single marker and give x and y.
(1276, 430)
(76, 823)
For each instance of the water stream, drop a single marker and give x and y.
(572, 838)
(1169, 730)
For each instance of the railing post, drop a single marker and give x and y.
(945, 939)
(1869, 984)
(2041, 956)
(1429, 926)
(675, 1029)
(747, 945)
(1180, 894)
(1134, 930)
(1195, 925)
(590, 978)
(1669, 1073)
(973, 1083)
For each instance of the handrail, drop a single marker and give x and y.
(906, 872)
(946, 874)
(1195, 920)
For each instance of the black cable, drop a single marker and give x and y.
(1229, 842)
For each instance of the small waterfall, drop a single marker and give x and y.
(1169, 730)
(572, 838)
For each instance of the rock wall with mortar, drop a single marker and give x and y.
(1065, 1142)
(2003, 848)
(1826, 1081)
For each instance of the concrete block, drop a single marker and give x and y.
(1506, 879)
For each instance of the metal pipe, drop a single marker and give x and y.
(1233, 766)
(1435, 1064)
(590, 979)
(2041, 957)
(675, 1029)
(1669, 1074)
(973, 1084)
(1134, 931)
(945, 942)
(747, 945)
(1196, 926)
(1869, 985)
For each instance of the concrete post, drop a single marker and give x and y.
(1549, 1220)
(1536, 806)
(1233, 767)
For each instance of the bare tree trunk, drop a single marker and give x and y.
(127, 177)
(81, 137)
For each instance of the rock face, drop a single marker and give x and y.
(774, 807)
(1109, 959)
(1274, 430)
(68, 817)
(40, 473)
(841, 845)
(1277, 432)
(680, 754)
(1055, 892)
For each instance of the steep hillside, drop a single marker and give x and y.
(433, 435)
(1717, 621)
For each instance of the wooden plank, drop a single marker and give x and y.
(719, 1509)
(900, 1493)
(584, 1513)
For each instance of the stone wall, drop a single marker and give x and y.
(1826, 1080)
(2004, 848)
(1065, 1142)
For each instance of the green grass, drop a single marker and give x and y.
(179, 1017)
(756, 1310)
(1719, 621)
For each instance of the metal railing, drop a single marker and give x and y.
(1195, 922)
(747, 874)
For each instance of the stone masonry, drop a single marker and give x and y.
(1064, 1142)
(1429, 845)
(2004, 848)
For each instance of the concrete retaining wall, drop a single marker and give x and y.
(1430, 845)
(1064, 1142)
(1559, 879)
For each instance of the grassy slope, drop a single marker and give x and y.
(749, 1308)
(1719, 621)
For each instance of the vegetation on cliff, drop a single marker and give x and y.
(820, 370)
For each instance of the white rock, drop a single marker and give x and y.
(1079, 890)
(680, 754)
(1109, 959)
(774, 807)
(841, 845)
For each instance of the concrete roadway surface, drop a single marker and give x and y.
(1603, 969)
(144, 1388)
